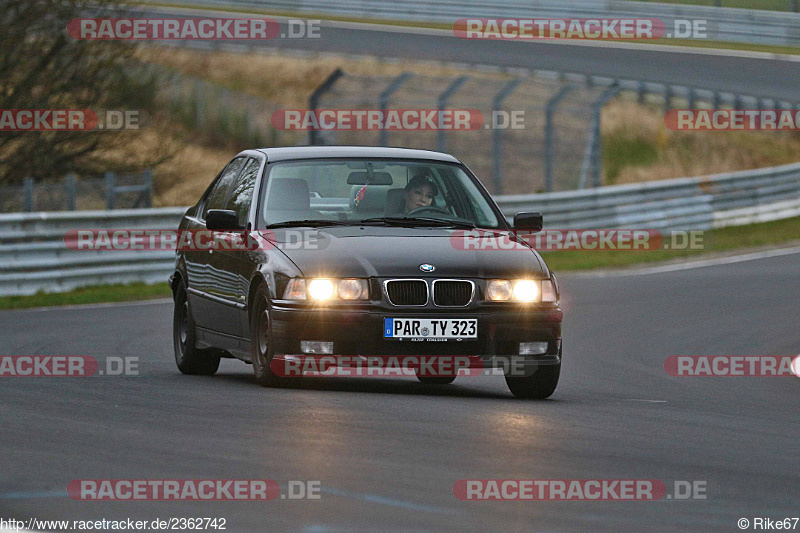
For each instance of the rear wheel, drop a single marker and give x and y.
(538, 386)
(189, 359)
(262, 345)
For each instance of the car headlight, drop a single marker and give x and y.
(324, 289)
(521, 290)
(320, 289)
(499, 290)
(526, 290)
(350, 289)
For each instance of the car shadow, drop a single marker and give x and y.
(403, 386)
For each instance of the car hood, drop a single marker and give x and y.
(398, 252)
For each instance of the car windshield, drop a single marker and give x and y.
(358, 191)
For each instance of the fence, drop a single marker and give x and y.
(544, 154)
(33, 255)
(223, 114)
(111, 191)
(728, 24)
(559, 145)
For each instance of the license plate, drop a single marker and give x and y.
(430, 328)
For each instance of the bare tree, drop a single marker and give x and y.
(42, 67)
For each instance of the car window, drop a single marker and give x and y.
(351, 190)
(241, 196)
(219, 194)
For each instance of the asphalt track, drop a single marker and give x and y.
(760, 75)
(388, 451)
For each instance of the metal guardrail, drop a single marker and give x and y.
(34, 257)
(727, 24)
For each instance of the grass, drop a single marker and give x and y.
(714, 241)
(89, 295)
(622, 151)
(638, 147)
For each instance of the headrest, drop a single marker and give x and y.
(289, 194)
(374, 198)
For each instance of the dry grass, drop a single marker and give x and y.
(282, 78)
(637, 145)
(681, 153)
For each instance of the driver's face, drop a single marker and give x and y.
(421, 196)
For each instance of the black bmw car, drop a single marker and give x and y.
(363, 253)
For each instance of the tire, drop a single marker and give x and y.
(436, 380)
(538, 386)
(262, 345)
(189, 359)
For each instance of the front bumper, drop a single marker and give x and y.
(359, 332)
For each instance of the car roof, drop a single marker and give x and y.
(332, 152)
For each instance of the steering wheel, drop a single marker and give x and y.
(431, 208)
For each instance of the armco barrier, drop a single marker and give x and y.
(33, 256)
(725, 24)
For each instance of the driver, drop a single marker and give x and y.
(420, 192)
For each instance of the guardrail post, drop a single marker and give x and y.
(667, 97)
(550, 110)
(715, 100)
(313, 101)
(642, 91)
(592, 155)
(27, 192)
(110, 192)
(383, 103)
(691, 97)
(442, 104)
(497, 134)
(147, 195)
(70, 191)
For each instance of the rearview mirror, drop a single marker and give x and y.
(529, 221)
(378, 178)
(222, 220)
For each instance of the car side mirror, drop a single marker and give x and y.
(222, 220)
(529, 221)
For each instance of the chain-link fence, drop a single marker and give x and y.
(534, 135)
(109, 192)
(221, 113)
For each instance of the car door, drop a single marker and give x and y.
(205, 277)
(232, 269)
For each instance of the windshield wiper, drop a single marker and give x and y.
(415, 222)
(310, 223)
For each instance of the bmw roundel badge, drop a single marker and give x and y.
(425, 267)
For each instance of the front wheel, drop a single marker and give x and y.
(538, 386)
(262, 345)
(189, 359)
